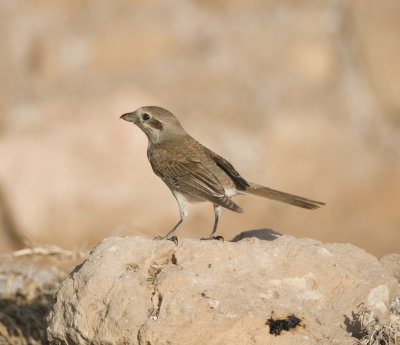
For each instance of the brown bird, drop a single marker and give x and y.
(194, 173)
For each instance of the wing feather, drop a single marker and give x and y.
(240, 182)
(193, 178)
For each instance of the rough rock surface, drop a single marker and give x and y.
(29, 278)
(135, 290)
(391, 262)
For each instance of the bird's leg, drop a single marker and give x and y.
(170, 236)
(217, 212)
(183, 213)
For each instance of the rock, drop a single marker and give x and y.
(135, 290)
(28, 280)
(391, 262)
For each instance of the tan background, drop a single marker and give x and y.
(302, 96)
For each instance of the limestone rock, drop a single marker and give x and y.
(392, 264)
(136, 290)
(28, 280)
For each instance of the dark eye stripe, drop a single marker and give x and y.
(156, 124)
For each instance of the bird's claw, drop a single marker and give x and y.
(219, 238)
(172, 238)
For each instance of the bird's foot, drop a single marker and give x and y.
(212, 237)
(172, 238)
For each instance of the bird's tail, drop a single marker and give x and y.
(287, 198)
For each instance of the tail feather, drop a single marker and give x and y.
(228, 203)
(287, 198)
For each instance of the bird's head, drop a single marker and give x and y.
(157, 123)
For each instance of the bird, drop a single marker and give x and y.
(194, 173)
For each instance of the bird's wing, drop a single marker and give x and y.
(240, 182)
(192, 177)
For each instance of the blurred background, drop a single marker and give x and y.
(302, 96)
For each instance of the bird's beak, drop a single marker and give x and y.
(131, 117)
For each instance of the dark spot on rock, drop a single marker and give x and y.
(174, 259)
(132, 267)
(277, 326)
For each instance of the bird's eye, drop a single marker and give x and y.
(146, 117)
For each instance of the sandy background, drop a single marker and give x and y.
(301, 96)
